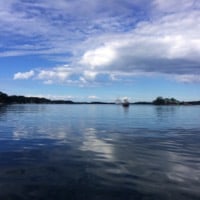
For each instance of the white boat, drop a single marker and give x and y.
(125, 103)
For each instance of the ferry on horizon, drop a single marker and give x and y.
(125, 103)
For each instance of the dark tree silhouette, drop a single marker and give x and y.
(165, 101)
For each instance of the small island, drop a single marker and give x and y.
(14, 99)
(173, 101)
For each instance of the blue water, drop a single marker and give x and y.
(98, 152)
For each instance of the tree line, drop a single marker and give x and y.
(173, 101)
(14, 99)
(5, 99)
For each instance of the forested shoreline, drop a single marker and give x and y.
(14, 99)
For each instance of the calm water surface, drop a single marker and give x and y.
(98, 152)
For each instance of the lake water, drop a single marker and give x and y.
(99, 152)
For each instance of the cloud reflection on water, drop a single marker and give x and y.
(100, 151)
(94, 144)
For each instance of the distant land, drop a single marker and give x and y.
(14, 99)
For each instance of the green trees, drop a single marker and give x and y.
(165, 101)
(4, 98)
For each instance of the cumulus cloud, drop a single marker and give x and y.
(99, 57)
(60, 73)
(24, 75)
(170, 45)
(163, 41)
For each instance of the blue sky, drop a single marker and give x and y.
(87, 50)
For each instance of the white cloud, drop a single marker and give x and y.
(173, 5)
(99, 57)
(92, 97)
(188, 78)
(58, 28)
(56, 74)
(90, 75)
(170, 45)
(24, 75)
(165, 42)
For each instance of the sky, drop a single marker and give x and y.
(94, 50)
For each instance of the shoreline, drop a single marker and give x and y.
(6, 99)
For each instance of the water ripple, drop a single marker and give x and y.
(99, 152)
